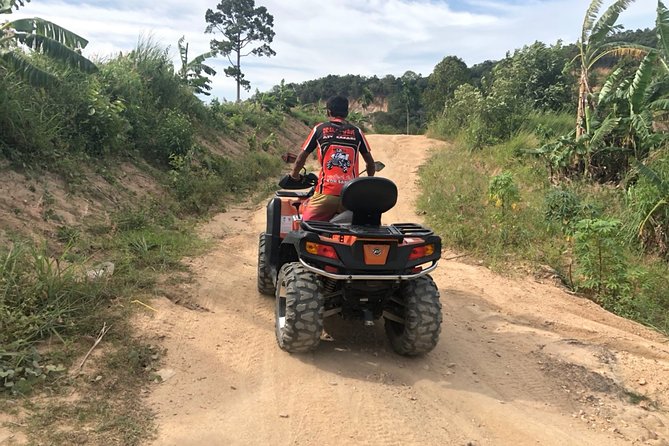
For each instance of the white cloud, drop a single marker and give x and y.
(314, 39)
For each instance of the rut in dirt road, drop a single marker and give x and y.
(518, 362)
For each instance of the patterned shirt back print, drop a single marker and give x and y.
(339, 145)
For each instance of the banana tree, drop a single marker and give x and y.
(40, 36)
(662, 26)
(191, 71)
(637, 101)
(593, 45)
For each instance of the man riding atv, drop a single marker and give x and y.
(339, 144)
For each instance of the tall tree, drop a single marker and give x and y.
(246, 30)
(410, 95)
(592, 47)
(447, 76)
(40, 36)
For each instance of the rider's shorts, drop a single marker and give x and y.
(322, 207)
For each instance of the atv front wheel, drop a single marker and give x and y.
(265, 282)
(299, 309)
(422, 318)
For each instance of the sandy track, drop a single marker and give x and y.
(519, 362)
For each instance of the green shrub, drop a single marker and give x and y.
(174, 134)
(562, 206)
(600, 259)
(201, 183)
(503, 191)
(648, 206)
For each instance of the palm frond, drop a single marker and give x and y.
(7, 5)
(653, 177)
(56, 50)
(605, 128)
(48, 29)
(198, 64)
(26, 70)
(618, 49)
(643, 125)
(607, 88)
(590, 17)
(607, 21)
(663, 29)
(183, 52)
(641, 82)
(660, 105)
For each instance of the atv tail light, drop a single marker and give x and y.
(321, 250)
(421, 251)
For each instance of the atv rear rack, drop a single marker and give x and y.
(352, 277)
(396, 230)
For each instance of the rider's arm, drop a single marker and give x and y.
(366, 154)
(299, 164)
(309, 146)
(369, 160)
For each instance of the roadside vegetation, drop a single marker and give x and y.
(560, 160)
(66, 115)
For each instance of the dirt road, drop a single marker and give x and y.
(519, 362)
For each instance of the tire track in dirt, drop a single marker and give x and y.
(518, 361)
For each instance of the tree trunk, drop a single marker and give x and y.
(239, 68)
(582, 98)
(407, 117)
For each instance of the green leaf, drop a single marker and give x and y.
(7, 5)
(643, 125)
(26, 70)
(663, 29)
(590, 17)
(660, 104)
(606, 23)
(605, 128)
(641, 82)
(608, 85)
(662, 185)
(48, 29)
(57, 51)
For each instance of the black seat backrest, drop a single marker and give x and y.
(368, 198)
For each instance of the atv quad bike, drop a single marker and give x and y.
(351, 266)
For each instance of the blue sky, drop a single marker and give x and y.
(315, 38)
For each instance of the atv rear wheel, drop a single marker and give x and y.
(265, 282)
(422, 318)
(299, 309)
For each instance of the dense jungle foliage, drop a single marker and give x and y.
(412, 100)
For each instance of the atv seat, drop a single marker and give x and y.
(368, 198)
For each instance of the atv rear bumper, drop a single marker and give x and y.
(350, 277)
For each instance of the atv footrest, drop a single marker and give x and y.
(293, 194)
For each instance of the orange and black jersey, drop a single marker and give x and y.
(339, 145)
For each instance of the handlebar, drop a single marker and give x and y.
(305, 182)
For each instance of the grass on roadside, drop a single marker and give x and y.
(51, 310)
(498, 204)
